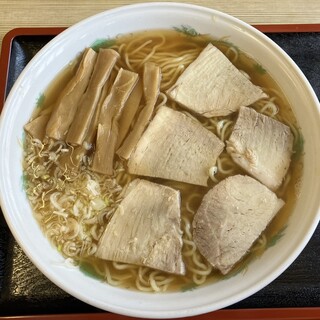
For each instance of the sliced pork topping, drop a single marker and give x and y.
(177, 147)
(67, 105)
(145, 229)
(231, 217)
(213, 86)
(262, 146)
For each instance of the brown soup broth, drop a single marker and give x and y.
(172, 45)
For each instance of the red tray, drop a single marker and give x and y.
(304, 273)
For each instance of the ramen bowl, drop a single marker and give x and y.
(55, 56)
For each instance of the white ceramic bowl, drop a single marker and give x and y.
(55, 56)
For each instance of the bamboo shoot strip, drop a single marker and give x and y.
(72, 159)
(68, 102)
(151, 90)
(108, 121)
(37, 127)
(105, 62)
(129, 111)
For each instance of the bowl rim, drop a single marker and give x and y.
(155, 314)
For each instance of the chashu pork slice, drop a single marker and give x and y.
(145, 229)
(212, 86)
(262, 146)
(231, 217)
(177, 147)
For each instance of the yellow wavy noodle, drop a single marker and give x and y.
(167, 54)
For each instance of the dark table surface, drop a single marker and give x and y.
(24, 290)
